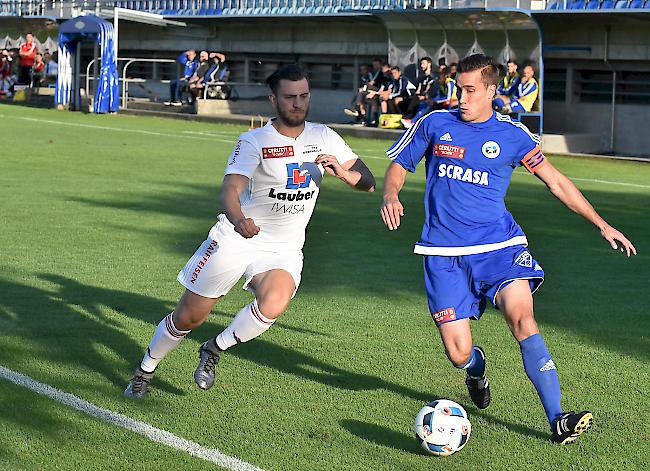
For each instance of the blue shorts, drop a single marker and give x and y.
(457, 286)
(517, 107)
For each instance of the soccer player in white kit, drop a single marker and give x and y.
(269, 192)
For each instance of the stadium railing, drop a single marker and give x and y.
(598, 5)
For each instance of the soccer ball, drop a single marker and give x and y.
(442, 427)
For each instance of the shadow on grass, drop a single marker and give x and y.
(584, 281)
(66, 325)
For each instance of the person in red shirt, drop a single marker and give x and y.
(27, 57)
(38, 70)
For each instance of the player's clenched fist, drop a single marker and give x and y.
(391, 212)
(247, 228)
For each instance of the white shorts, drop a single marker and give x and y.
(225, 256)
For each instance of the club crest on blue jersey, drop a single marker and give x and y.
(491, 150)
(297, 178)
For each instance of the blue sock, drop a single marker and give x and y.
(499, 102)
(542, 373)
(475, 366)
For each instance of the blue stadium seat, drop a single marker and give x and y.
(621, 4)
(593, 4)
(636, 4)
(607, 5)
(577, 5)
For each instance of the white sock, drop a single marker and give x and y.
(165, 339)
(247, 324)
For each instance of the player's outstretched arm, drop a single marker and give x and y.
(353, 172)
(391, 209)
(232, 187)
(568, 193)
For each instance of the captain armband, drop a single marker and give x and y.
(367, 180)
(534, 160)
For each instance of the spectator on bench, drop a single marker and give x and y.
(176, 87)
(38, 70)
(216, 72)
(401, 99)
(7, 78)
(195, 82)
(525, 97)
(376, 97)
(358, 108)
(508, 86)
(446, 97)
(427, 87)
(51, 69)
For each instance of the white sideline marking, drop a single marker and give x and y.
(152, 433)
(109, 128)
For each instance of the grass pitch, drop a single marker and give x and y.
(98, 215)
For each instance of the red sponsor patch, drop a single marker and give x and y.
(447, 150)
(277, 152)
(445, 315)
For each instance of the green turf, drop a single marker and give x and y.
(97, 222)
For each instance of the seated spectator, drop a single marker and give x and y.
(508, 86)
(402, 98)
(51, 68)
(446, 97)
(427, 87)
(374, 97)
(524, 98)
(176, 87)
(453, 69)
(358, 103)
(217, 72)
(7, 77)
(195, 81)
(38, 70)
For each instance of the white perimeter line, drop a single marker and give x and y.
(152, 433)
(108, 128)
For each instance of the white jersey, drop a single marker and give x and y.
(284, 180)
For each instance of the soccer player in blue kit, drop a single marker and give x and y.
(472, 247)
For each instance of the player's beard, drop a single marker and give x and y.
(293, 119)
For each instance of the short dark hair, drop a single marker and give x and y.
(428, 59)
(512, 61)
(292, 72)
(395, 68)
(378, 59)
(488, 67)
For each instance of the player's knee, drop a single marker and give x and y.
(273, 303)
(522, 323)
(459, 356)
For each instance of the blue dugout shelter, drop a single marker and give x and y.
(72, 34)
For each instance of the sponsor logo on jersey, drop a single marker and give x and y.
(212, 246)
(463, 174)
(446, 137)
(235, 153)
(491, 150)
(447, 150)
(288, 208)
(297, 178)
(445, 315)
(277, 152)
(311, 149)
(291, 196)
(525, 260)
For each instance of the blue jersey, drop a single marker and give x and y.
(189, 66)
(468, 167)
